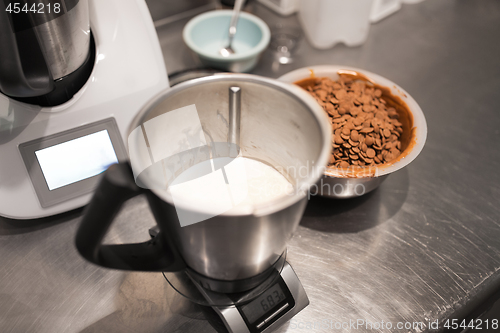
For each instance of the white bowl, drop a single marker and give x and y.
(207, 33)
(379, 173)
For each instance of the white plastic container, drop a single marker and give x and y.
(383, 8)
(328, 22)
(282, 7)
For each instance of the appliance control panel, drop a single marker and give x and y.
(66, 165)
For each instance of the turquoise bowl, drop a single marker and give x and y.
(207, 33)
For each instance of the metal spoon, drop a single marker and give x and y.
(228, 50)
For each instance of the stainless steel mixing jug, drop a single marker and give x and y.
(280, 125)
(47, 50)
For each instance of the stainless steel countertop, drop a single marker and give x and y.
(424, 246)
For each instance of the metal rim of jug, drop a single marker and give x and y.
(294, 91)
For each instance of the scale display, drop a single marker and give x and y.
(67, 165)
(77, 159)
(274, 304)
(263, 304)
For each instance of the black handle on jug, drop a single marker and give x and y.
(117, 186)
(23, 69)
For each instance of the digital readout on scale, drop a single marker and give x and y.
(264, 303)
(78, 159)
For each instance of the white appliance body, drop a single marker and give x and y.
(129, 70)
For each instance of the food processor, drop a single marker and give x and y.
(72, 76)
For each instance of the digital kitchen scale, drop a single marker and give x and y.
(278, 303)
(261, 309)
(51, 158)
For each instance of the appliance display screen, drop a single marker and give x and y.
(264, 303)
(78, 159)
